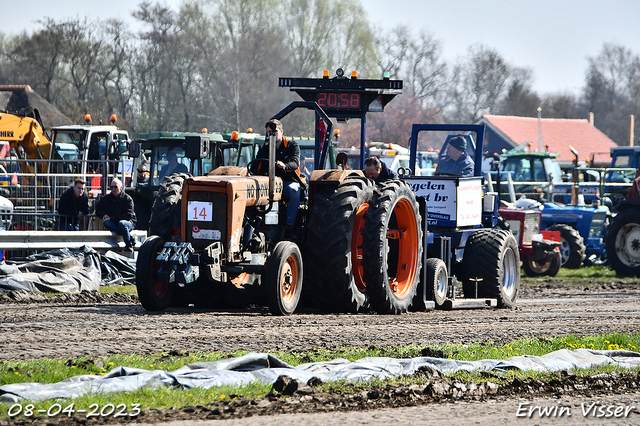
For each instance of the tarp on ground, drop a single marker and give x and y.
(69, 270)
(264, 368)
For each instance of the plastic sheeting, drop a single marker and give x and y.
(66, 271)
(265, 368)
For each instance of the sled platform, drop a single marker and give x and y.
(450, 305)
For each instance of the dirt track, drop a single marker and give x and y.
(99, 325)
(85, 326)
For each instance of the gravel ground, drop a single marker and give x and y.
(100, 325)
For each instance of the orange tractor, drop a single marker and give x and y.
(229, 245)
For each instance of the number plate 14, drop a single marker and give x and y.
(200, 211)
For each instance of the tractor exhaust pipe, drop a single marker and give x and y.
(272, 167)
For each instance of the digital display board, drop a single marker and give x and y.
(348, 101)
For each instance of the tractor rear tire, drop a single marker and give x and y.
(283, 278)
(392, 248)
(165, 213)
(333, 257)
(539, 269)
(154, 294)
(623, 243)
(493, 256)
(572, 248)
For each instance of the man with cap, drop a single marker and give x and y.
(457, 162)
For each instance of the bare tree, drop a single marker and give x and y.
(116, 80)
(520, 99)
(81, 56)
(354, 46)
(478, 82)
(427, 72)
(159, 95)
(37, 59)
(393, 50)
(309, 26)
(561, 105)
(612, 88)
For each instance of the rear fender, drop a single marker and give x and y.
(322, 179)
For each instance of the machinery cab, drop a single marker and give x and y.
(451, 201)
(90, 151)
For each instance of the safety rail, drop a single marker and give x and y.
(44, 221)
(28, 187)
(51, 240)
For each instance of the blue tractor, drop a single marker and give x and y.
(464, 242)
(581, 225)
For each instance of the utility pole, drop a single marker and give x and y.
(539, 129)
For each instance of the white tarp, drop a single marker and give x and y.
(265, 368)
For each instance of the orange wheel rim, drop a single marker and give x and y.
(356, 247)
(160, 288)
(289, 280)
(401, 280)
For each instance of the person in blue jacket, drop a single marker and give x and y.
(457, 162)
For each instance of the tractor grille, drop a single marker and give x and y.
(597, 225)
(531, 227)
(210, 228)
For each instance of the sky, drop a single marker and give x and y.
(552, 37)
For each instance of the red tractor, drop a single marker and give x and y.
(539, 251)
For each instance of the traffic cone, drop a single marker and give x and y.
(14, 178)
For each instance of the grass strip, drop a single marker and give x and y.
(55, 370)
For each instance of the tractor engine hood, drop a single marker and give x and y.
(251, 190)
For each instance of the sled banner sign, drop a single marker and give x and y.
(456, 202)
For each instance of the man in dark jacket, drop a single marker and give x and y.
(287, 166)
(117, 211)
(74, 204)
(377, 170)
(457, 162)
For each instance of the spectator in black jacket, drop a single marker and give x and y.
(117, 211)
(74, 204)
(377, 170)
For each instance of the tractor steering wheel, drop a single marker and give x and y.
(257, 160)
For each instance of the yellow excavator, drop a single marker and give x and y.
(26, 135)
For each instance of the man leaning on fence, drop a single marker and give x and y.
(117, 212)
(74, 206)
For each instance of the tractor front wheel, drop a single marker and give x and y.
(437, 281)
(572, 248)
(283, 278)
(541, 268)
(154, 294)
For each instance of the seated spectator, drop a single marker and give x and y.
(74, 205)
(117, 211)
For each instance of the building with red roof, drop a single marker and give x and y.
(555, 135)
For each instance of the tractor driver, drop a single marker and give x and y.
(457, 162)
(287, 166)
